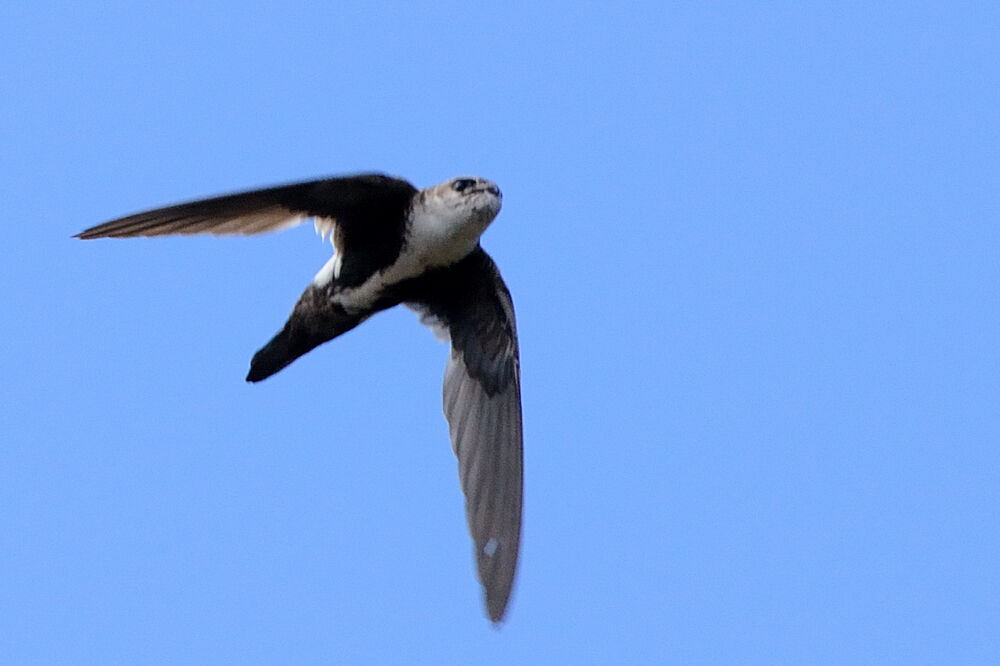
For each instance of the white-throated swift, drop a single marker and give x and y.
(395, 244)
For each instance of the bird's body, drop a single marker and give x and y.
(396, 244)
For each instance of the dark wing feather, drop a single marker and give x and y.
(367, 215)
(347, 199)
(482, 402)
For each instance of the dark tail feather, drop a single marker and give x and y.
(283, 348)
(300, 335)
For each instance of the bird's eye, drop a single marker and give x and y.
(462, 184)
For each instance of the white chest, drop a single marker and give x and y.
(430, 242)
(436, 235)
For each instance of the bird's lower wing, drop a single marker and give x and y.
(482, 402)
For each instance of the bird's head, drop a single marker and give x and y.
(456, 212)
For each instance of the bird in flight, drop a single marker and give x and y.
(396, 244)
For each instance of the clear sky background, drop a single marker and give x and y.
(753, 249)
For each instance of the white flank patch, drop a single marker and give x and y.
(330, 270)
(325, 226)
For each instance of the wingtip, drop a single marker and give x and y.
(89, 234)
(496, 608)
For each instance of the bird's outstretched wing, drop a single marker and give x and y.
(347, 200)
(365, 215)
(482, 402)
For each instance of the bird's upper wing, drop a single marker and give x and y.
(346, 201)
(365, 216)
(482, 402)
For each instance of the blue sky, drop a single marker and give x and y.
(753, 252)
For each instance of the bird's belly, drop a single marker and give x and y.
(373, 292)
(422, 251)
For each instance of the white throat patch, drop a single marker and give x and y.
(445, 224)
